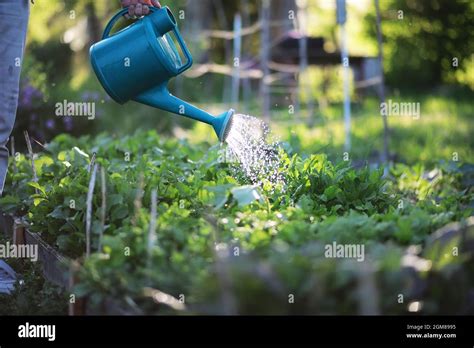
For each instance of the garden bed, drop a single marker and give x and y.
(56, 268)
(173, 228)
(54, 265)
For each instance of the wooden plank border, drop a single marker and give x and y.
(56, 268)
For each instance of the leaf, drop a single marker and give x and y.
(331, 192)
(62, 156)
(114, 200)
(306, 203)
(119, 212)
(37, 186)
(221, 194)
(58, 213)
(245, 195)
(63, 242)
(375, 176)
(81, 290)
(9, 203)
(37, 201)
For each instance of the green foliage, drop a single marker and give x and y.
(442, 133)
(321, 188)
(421, 38)
(212, 229)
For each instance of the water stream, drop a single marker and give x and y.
(258, 153)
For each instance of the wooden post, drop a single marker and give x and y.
(367, 293)
(18, 232)
(385, 153)
(246, 85)
(90, 195)
(137, 202)
(341, 20)
(221, 262)
(236, 60)
(265, 57)
(78, 307)
(152, 231)
(12, 153)
(303, 86)
(91, 163)
(103, 185)
(32, 159)
(223, 23)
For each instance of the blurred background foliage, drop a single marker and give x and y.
(437, 32)
(420, 40)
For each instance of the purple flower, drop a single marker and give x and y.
(85, 95)
(90, 96)
(28, 95)
(50, 124)
(68, 124)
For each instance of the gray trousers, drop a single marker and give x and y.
(13, 24)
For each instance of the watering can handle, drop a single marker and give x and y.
(116, 17)
(124, 11)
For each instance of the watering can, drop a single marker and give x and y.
(137, 62)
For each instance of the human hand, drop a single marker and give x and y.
(138, 8)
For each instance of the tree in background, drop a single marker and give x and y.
(427, 43)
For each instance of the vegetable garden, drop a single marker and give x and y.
(159, 226)
(356, 199)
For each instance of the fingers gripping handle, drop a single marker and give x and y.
(114, 20)
(184, 49)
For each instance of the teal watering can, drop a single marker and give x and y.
(137, 62)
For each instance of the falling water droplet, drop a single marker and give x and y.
(258, 154)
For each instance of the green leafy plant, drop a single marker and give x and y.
(218, 237)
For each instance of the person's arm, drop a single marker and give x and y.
(138, 8)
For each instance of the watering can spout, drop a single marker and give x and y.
(223, 124)
(154, 42)
(160, 97)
